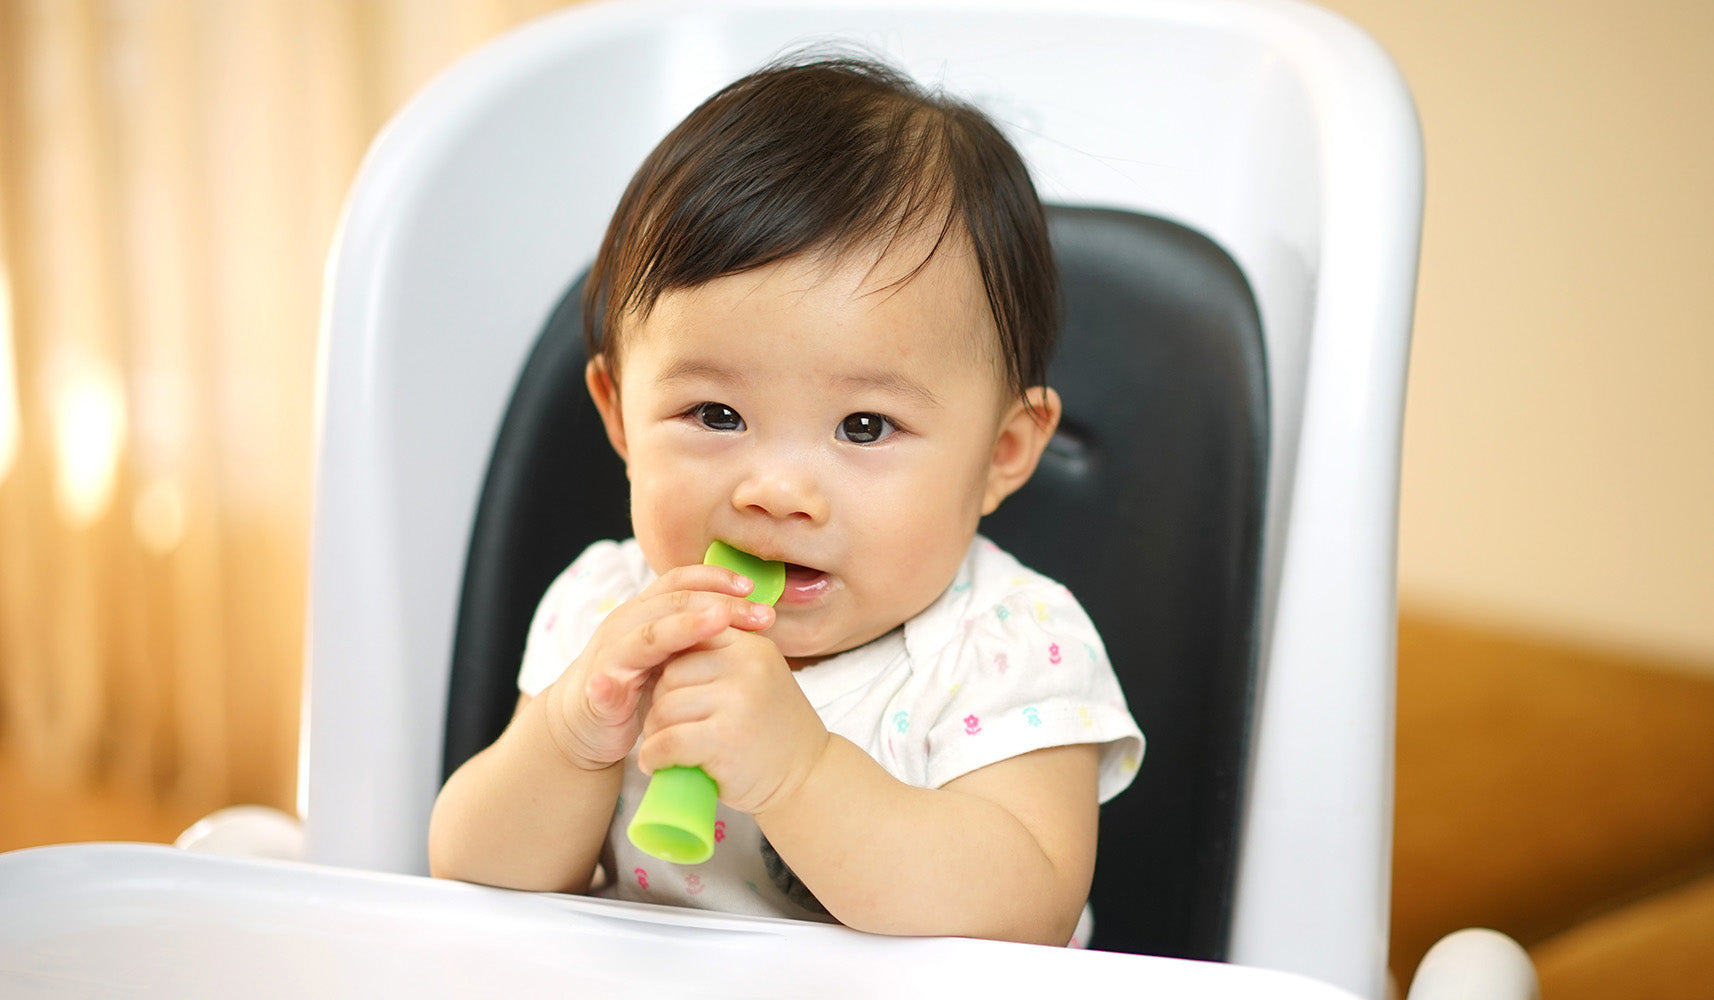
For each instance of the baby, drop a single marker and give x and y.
(819, 329)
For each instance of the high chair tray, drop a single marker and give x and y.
(147, 920)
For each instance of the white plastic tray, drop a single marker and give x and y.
(143, 920)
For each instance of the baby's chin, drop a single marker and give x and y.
(803, 652)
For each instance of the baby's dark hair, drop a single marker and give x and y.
(829, 154)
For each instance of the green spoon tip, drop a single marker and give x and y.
(768, 574)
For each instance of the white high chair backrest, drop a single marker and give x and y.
(1276, 129)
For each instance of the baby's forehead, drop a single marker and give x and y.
(933, 283)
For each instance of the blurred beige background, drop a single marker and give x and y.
(1558, 467)
(170, 177)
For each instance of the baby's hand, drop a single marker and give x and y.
(596, 707)
(734, 710)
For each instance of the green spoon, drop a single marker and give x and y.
(675, 820)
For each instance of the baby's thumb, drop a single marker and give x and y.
(607, 698)
(615, 701)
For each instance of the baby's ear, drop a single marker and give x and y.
(605, 392)
(1025, 430)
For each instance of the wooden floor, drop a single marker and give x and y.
(1563, 796)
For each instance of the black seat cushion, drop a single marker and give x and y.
(1148, 505)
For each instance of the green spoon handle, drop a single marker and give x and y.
(675, 820)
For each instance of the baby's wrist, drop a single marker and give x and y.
(799, 782)
(556, 737)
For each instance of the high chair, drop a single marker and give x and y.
(1237, 191)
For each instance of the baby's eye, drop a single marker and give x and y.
(717, 417)
(865, 428)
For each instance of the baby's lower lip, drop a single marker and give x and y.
(804, 584)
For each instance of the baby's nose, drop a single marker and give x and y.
(784, 491)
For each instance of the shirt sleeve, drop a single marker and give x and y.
(574, 605)
(1027, 673)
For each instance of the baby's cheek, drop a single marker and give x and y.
(919, 574)
(664, 534)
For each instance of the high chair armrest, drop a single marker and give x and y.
(246, 832)
(1475, 964)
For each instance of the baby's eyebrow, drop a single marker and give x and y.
(893, 383)
(882, 380)
(691, 368)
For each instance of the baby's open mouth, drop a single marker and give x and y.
(804, 583)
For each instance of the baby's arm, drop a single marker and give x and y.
(1005, 852)
(531, 811)
(521, 814)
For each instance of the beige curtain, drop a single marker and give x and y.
(170, 176)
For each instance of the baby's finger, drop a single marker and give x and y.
(611, 700)
(736, 612)
(677, 706)
(704, 664)
(681, 621)
(683, 744)
(714, 579)
(653, 605)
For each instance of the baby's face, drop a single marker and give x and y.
(810, 413)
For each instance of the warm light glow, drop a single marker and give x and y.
(159, 516)
(10, 432)
(89, 430)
